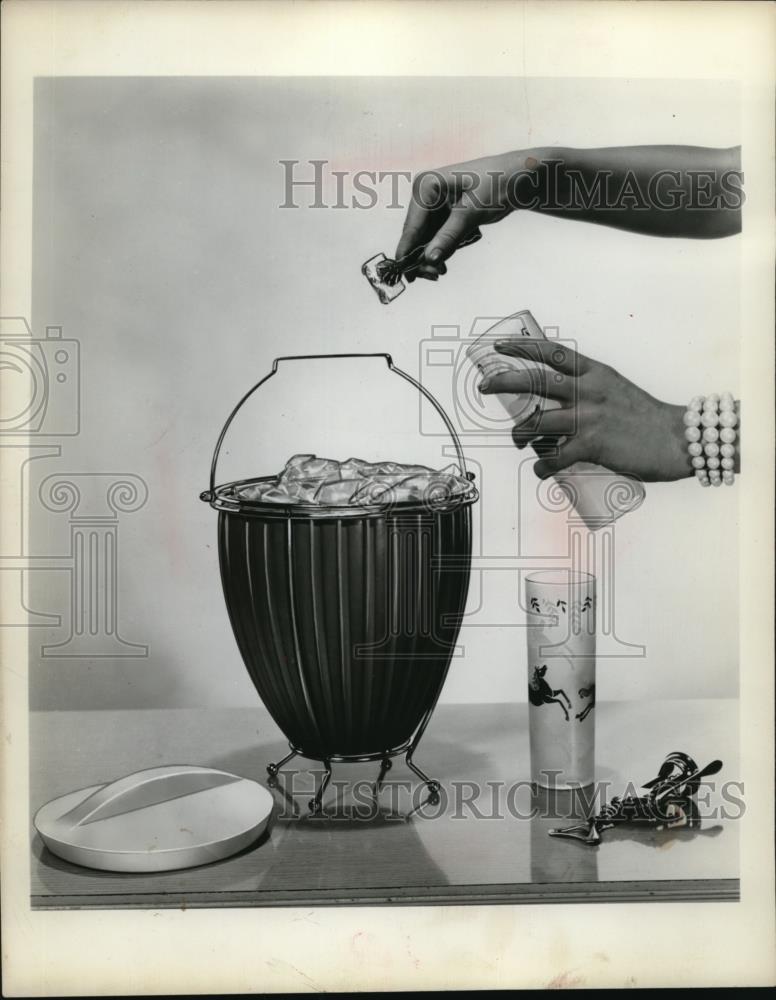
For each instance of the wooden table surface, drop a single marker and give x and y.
(476, 847)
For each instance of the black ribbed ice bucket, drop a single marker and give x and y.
(346, 617)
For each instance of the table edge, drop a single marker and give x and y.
(669, 890)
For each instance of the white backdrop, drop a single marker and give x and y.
(160, 246)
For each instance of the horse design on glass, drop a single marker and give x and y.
(541, 693)
(586, 692)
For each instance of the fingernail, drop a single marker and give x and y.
(435, 255)
(484, 385)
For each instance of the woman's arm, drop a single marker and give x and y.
(686, 191)
(681, 191)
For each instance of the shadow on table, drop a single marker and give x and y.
(560, 859)
(402, 795)
(341, 851)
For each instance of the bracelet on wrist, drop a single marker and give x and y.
(711, 430)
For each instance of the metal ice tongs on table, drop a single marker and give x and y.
(670, 801)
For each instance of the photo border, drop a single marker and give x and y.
(438, 947)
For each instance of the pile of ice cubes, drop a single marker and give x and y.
(307, 479)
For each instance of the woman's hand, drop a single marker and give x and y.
(603, 418)
(450, 204)
(694, 192)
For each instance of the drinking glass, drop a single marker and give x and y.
(560, 608)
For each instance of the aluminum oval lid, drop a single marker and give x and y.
(160, 819)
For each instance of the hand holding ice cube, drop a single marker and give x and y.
(450, 203)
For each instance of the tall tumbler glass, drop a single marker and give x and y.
(560, 607)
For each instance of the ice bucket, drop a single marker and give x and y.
(346, 617)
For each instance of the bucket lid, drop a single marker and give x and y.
(159, 819)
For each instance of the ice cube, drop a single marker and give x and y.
(307, 479)
(252, 492)
(301, 490)
(377, 489)
(374, 274)
(339, 493)
(412, 488)
(354, 468)
(275, 494)
(311, 467)
(267, 490)
(297, 461)
(442, 488)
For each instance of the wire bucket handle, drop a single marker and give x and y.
(210, 495)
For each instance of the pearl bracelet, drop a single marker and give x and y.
(709, 427)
